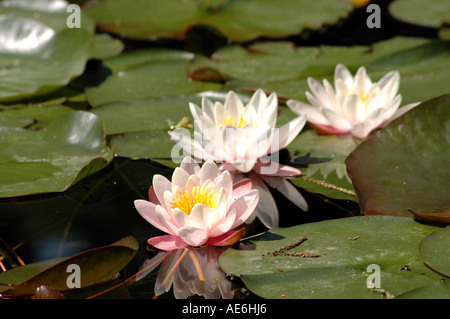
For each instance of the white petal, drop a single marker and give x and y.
(283, 185)
(352, 109)
(336, 121)
(200, 216)
(193, 236)
(258, 99)
(196, 112)
(219, 113)
(360, 79)
(313, 114)
(208, 107)
(288, 132)
(266, 210)
(402, 110)
(319, 91)
(224, 225)
(233, 106)
(342, 73)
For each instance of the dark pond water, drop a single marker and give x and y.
(100, 210)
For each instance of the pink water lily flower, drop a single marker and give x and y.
(355, 105)
(200, 206)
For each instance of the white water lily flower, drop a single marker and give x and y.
(245, 140)
(355, 105)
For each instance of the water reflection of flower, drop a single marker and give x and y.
(189, 271)
(247, 143)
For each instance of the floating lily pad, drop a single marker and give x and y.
(434, 251)
(423, 70)
(236, 20)
(38, 52)
(405, 166)
(432, 13)
(321, 158)
(439, 290)
(52, 158)
(96, 266)
(146, 74)
(105, 46)
(284, 68)
(340, 252)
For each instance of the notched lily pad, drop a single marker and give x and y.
(333, 261)
(52, 158)
(434, 251)
(96, 266)
(38, 52)
(405, 165)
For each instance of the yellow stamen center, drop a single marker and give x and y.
(239, 124)
(363, 97)
(187, 200)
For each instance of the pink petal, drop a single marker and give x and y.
(245, 205)
(282, 170)
(209, 170)
(242, 187)
(160, 185)
(327, 129)
(227, 239)
(193, 236)
(152, 196)
(148, 211)
(166, 220)
(179, 177)
(167, 242)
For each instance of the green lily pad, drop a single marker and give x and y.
(105, 46)
(97, 265)
(39, 52)
(439, 290)
(423, 70)
(404, 167)
(321, 158)
(146, 74)
(432, 13)
(283, 68)
(145, 115)
(434, 250)
(34, 116)
(236, 20)
(342, 249)
(52, 158)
